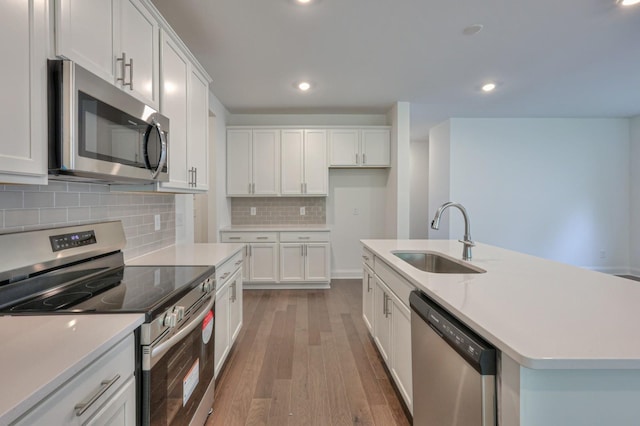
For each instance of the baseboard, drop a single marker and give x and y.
(285, 286)
(346, 274)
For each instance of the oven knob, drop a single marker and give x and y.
(207, 286)
(179, 311)
(170, 320)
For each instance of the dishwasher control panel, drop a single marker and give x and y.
(454, 335)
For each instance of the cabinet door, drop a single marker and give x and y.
(197, 146)
(120, 409)
(316, 172)
(317, 262)
(85, 34)
(266, 162)
(292, 148)
(263, 262)
(222, 334)
(376, 147)
(292, 262)
(235, 308)
(173, 104)
(401, 348)
(381, 321)
(23, 120)
(239, 162)
(138, 38)
(367, 298)
(344, 147)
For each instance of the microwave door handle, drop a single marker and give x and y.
(163, 347)
(163, 153)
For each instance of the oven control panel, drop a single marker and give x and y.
(76, 239)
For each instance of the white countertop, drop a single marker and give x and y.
(541, 313)
(40, 353)
(190, 255)
(275, 228)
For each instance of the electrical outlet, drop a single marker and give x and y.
(303, 211)
(356, 212)
(603, 254)
(253, 211)
(156, 220)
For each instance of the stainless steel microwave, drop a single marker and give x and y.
(99, 133)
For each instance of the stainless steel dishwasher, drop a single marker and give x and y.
(454, 369)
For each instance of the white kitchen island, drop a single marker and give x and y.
(568, 337)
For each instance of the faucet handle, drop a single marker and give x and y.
(467, 243)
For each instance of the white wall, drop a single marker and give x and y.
(399, 182)
(439, 184)
(363, 190)
(555, 188)
(419, 172)
(634, 234)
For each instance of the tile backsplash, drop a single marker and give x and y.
(26, 207)
(278, 211)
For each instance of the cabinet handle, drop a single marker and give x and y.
(262, 238)
(238, 262)
(253, 188)
(304, 238)
(302, 250)
(234, 238)
(250, 251)
(364, 158)
(249, 189)
(357, 159)
(195, 177)
(233, 292)
(130, 83)
(368, 283)
(82, 407)
(122, 68)
(225, 275)
(301, 188)
(305, 187)
(365, 257)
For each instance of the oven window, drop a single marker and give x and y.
(179, 380)
(108, 134)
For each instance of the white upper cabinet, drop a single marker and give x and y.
(23, 147)
(115, 39)
(304, 162)
(253, 162)
(364, 147)
(198, 131)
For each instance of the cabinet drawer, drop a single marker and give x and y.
(115, 367)
(249, 237)
(367, 257)
(224, 272)
(394, 281)
(304, 237)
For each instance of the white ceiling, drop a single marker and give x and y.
(550, 58)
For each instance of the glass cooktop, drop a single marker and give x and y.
(124, 289)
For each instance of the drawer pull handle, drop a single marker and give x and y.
(304, 238)
(238, 262)
(366, 258)
(82, 407)
(226, 274)
(262, 238)
(234, 238)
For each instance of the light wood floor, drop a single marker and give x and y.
(304, 357)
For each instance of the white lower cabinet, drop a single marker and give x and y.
(228, 311)
(103, 393)
(298, 259)
(367, 297)
(386, 312)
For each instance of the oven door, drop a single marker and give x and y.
(177, 376)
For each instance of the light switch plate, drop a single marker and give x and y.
(253, 211)
(302, 211)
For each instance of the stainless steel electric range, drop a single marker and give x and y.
(81, 270)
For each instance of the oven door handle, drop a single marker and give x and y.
(188, 328)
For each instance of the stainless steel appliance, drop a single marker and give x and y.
(97, 132)
(454, 369)
(80, 270)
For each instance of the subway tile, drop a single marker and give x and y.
(78, 187)
(21, 217)
(99, 188)
(67, 199)
(54, 186)
(79, 213)
(11, 200)
(89, 199)
(48, 216)
(36, 200)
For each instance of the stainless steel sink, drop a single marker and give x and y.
(438, 264)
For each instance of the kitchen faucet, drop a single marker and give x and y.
(435, 224)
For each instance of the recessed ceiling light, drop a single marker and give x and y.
(488, 87)
(303, 1)
(304, 86)
(628, 2)
(474, 29)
